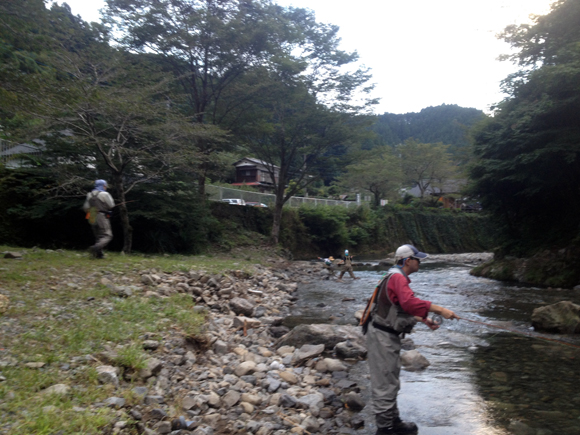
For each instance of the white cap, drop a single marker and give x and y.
(407, 251)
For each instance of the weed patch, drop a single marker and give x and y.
(62, 312)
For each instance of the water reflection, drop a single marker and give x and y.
(481, 380)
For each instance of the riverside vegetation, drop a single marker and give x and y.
(174, 219)
(160, 344)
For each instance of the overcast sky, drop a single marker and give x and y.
(421, 52)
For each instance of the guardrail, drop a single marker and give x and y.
(217, 193)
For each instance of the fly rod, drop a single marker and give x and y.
(438, 320)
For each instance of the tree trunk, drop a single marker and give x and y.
(124, 213)
(277, 218)
(377, 199)
(201, 185)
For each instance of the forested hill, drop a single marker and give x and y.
(447, 123)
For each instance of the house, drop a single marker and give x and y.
(254, 172)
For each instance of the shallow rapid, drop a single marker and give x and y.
(482, 380)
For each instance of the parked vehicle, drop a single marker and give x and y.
(256, 204)
(234, 201)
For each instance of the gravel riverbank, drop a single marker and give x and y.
(237, 376)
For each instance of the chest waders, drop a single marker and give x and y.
(383, 314)
(383, 324)
(98, 217)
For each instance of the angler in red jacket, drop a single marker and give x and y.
(392, 311)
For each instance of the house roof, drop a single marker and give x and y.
(252, 161)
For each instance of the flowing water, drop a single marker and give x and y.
(482, 380)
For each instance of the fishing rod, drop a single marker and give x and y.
(438, 320)
(126, 202)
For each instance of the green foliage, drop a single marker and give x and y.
(168, 217)
(30, 37)
(426, 165)
(29, 216)
(448, 123)
(377, 171)
(171, 217)
(132, 357)
(311, 231)
(326, 226)
(528, 155)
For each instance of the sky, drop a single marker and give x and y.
(421, 53)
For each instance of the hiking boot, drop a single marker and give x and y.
(386, 431)
(399, 427)
(404, 427)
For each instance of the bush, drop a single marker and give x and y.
(326, 226)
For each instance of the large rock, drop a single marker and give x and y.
(412, 361)
(242, 307)
(306, 352)
(347, 349)
(329, 335)
(562, 317)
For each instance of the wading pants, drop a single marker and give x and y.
(344, 270)
(384, 367)
(103, 234)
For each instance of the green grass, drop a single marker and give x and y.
(58, 319)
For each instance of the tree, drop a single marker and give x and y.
(527, 170)
(29, 36)
(425, 165)
(377, 171)
(219, 50)
(110, 112)
(208, 45)
(447, 123)
(299, 134)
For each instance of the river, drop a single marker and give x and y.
(482, 380)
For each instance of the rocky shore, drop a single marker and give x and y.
(245, 373)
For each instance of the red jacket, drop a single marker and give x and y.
(400, 293)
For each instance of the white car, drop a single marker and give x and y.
(234, 201)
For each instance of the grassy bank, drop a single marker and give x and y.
(62, 312)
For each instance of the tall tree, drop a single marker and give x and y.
(109, 114)
(425, 165)
(216, 48)
(377, 171)
(528, 155)
(298, 134)
(208, 45)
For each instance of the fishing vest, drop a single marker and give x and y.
(383, 312)
(98, 203)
